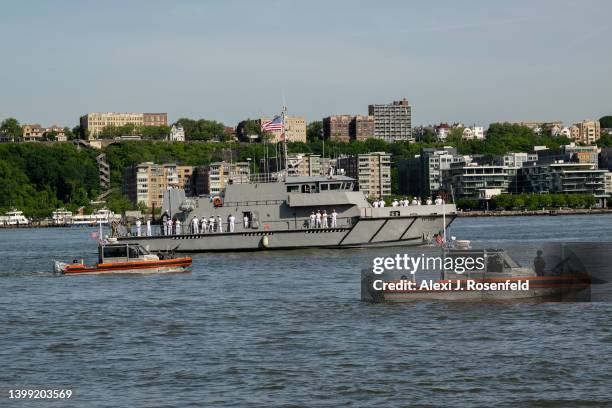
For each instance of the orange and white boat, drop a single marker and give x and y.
(122, 258)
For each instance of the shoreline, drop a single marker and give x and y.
(526, 213)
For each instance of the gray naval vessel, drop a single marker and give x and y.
(279, 211)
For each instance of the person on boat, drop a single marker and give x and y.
(195, 225)
(149, 228)
(439, 201)
(245, 222)
(318, 219)
(138, 227)
(177, 227)
(429, 202)
(311, 223)
(414, 201)
(324, 219)
(219, 224)
(539, 264)
(381, 203)
(211, 223)
(203, 225)
(170, 224)
(334, 218)
(394, 203)
(231, 220)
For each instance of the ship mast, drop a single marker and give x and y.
(284, 133)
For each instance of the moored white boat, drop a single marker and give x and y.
(14, 218)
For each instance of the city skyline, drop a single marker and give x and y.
(473, 63)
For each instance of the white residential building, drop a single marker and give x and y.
(177, 134)
(473, 132)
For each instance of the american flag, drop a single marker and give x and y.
(272, 125)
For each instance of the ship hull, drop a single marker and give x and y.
(370, 232)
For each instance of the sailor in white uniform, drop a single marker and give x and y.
(318, 219)
(219, 224)
(439, 201)
(428, 202)
(394, 203)
(177, 227)
(195, 225)
(245, 222)
(414, 201)
(138, 225)
(203, 228)
(334, 216)
(324, 219)
(311, 223)
(231, 219)
(149, 228)
(375, 204)
(382, 202)
(211, 223)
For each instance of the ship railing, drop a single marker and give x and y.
(260, 178)
(252, 203)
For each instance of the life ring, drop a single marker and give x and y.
(217, 201)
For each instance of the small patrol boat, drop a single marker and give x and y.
(125, 258)
(501, 278)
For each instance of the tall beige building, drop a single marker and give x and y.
(587, 131)
(213, 178)
(147, 182)
(372, 172)
(295, 129)
(304, 164)
(94, 122)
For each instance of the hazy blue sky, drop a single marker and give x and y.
(469, 61)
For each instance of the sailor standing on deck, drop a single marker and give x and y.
(375, 204)
(219, 224)
(334, 216)
(439, 201)
(428, 202)
(211, 223)
(177, 227)
(195, 225)
(203, 225)
(231, 220)
(138, 225)
(311, 222)
(394, 203)
(245, 222)
(149, 228)
(324, 219)
(382, 202)
(318, 219)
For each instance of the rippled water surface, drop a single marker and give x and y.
(288, 328)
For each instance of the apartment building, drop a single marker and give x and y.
(212, 179)
(295, 129)
(587, 131)
(304, 165)
(473, 133)
(422, 175)
(563, 177)
(372, 172)
(94, 122)
(392, 121)
(35, 132)
(147, 182)
(471, 179)
(570, 153)
(348, 127)
(515, 159)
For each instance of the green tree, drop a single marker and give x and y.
(11, 128)
(606, 122)
(314, 131)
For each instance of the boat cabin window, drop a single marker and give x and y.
(309, 188)
(293, 189)
(119, 251)
(133, 251)
(335, 186)
(495, 263)
(323, 187)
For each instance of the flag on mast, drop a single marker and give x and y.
(273, 125)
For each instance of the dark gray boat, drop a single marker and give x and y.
(279, 212)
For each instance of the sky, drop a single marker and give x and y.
(471, 61)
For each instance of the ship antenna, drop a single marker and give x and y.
(284, 133)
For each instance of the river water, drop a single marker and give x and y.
(288, 329)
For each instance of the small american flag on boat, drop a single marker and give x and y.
(272, 125)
